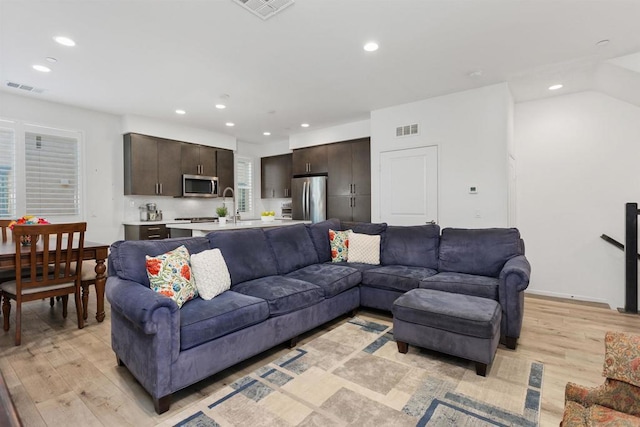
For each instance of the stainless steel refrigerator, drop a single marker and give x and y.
(309, 198)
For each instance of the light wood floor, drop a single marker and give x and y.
(65, 376)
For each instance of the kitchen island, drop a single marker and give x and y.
(202, 228)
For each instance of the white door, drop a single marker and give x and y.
(409, 186)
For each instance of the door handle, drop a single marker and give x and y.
(432, 222)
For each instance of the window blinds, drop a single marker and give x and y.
(245, 180)
(51, 174)
(7, 173)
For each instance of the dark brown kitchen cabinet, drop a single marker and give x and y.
(225, 168)
(149, 166)
(198, 160)
(349, 180)
(145, 232)
(275, 173)
(311, 160)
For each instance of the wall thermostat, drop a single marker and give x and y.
(473, 190)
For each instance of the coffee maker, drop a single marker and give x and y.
(149, 212)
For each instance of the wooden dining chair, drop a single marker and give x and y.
(54, 250)
(6, 234)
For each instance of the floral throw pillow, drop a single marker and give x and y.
(339, 241)
(170, 275)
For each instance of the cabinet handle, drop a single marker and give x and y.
(153, 236)
(160, 188)
(153, 228)
(354, 188)
(157, 188)
(354, 202)
(273, 193)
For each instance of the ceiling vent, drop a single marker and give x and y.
(264, 8)
(24, 87)
(407, 130)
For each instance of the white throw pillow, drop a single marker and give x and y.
(210, 273)
(364, 248)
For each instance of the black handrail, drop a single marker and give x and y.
(614, 242)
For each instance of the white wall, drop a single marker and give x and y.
(327, 135)
(578, 163)
(103, 157)
(471, 130)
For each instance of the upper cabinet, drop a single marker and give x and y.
(198, 160)
(149, 166)
(224, 165)
(311, 160)
(275, 173)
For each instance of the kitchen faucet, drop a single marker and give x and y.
(233, 196)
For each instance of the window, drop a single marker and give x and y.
(244, 169)
(51, 175)
(40, 171)
(7, 173)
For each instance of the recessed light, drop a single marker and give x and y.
(266, 133)
(65, 41)
(221, 106)
(371, 47)
(555, 87)
(51, 59)
(230, 124)
(41, 68)
(181, 112)
(305, 125)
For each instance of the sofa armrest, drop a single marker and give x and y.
(519, 269)
(613, 394)
(138, 303)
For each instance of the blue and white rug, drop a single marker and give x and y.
(354, 376)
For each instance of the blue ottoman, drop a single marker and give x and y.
(455, 324)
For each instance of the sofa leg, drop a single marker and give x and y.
(403, 347)
(293, 342)
(161, 405)
(481, 369)
(120, 363)
(511, 342)
(353, 312)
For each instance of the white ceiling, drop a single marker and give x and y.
(306, 64)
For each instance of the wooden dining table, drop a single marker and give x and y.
(92, 251)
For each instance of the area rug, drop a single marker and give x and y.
(354, 376)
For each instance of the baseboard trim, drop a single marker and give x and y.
(553, 296)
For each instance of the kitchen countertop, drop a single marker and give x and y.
(202, 228)
(164, 221)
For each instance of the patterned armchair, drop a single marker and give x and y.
(617, 401)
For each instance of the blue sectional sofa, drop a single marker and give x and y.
(283, 283)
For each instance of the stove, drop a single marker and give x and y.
(199, 219)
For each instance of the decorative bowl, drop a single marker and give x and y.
(268, 218)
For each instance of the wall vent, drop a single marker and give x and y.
(407, 130)
(264, 8)
(27, 88)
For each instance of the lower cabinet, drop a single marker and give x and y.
(145, 232)
(349, 208)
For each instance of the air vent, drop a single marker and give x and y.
(27, 88)
(407, 130)
(264, 8)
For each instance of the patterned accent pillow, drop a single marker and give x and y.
(364, 248)
(170, 275)
(622, 357)
(210, 273)
(339, 241)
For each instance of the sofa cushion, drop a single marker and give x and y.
(460, 283)
(364, 227)
(413, 245)
(319, 233)
(396, 277)
(292, 246)
(478, 251)
(127, 257)
(357, 265)
(239, 246)
(332, 278)
(283, 294)
(364, 248)
(202, 320)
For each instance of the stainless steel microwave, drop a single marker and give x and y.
(199, 186)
